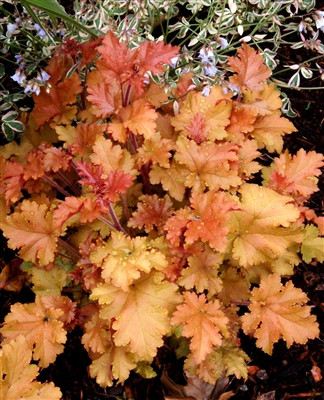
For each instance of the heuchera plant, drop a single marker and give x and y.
(144, 215)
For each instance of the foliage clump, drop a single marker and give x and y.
(145, 215)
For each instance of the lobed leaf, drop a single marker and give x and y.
(277, 312)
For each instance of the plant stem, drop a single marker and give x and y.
(106, 221)
(55, 185)
(117, 224)
(74, 189)
(68, 247)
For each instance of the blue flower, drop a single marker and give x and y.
(302, 27)
(18, 58)
(210, 69)
(40, 31)
(32, 87)
(19, 76)
(206, 91)
(174, 61)
(234, 88)
(43, 76)
(205, 55)
(319, 19)
(11, 28)
(222, 42)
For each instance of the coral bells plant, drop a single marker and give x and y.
(149, 216)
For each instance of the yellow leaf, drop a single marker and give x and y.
(227, 358)
(313, 245)
(112, 157)
(172, 179)
(265, 102)
(48, 283)
(204, 118)
(123, 259)
(115, 363)
(18, 376)
(262, 231)
(140, 315)
(208, 165)
(277, 312)
(269, 130)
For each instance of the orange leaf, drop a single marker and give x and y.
(248, 152)
(172, 179)
(204, 323)
(295, 175)
(40, 326)
(54, 105)
(97, 335)
(204, 118)
(12, 180)
(58, 67)
(241, 122)
(138, 118)
(33, 230)
(206, 220)
(89, 50)
(269, 130)
(152, 56)
(157, 150)
(208, 165)
(279, 312)
(130, 65)
(202, 271)
(117, 60)
(152, 211)
(87, 209)
(81, 138)
(235, 286)
(105, 99)
(250, 70)
(112, 157)
(18, 376)
(142, 331)
(56, 159)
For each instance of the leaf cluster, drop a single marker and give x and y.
(136, 210)
(32, 29)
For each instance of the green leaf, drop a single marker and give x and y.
(294, 81)
(16, 126)
(55, 10)
(18, 96)
(5, 106)
(306, 72)
(313, 245)
(8, 132)
(10, 116)
(2, 71)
